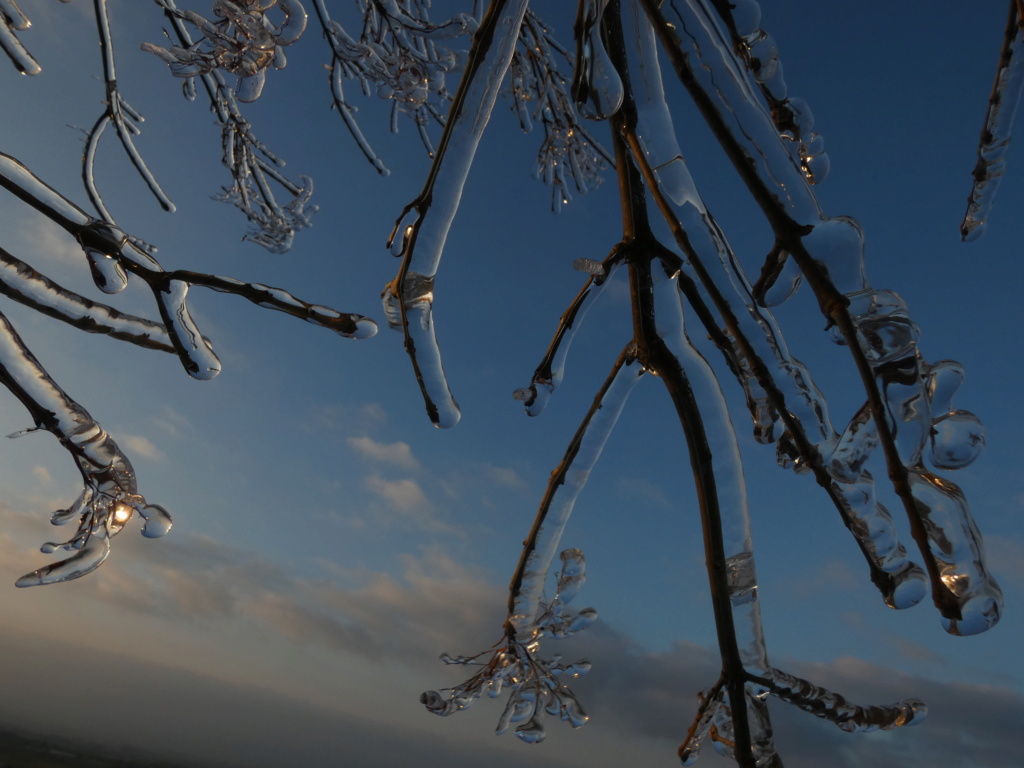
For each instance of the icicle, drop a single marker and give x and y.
(828, 705)
(109, 498)
(438, 202)
(11, 20)
(196, 353)
(596, 86)
(566, 484)
(956, 544)
(548, 375)
(654, 120)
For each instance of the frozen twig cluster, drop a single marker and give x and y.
(621, 53)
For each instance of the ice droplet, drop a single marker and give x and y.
(158, 521)
(746, 16)
(956, 440)
(596, 86)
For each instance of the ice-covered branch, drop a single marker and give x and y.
(995, 135)
(13, 20)
(829, 254)
(548, 374)
(784, 391)
(112, 256)
(536, 685)
(22, 283)
(124, 118)
(420, 232)
(567, 481)
(110, 495)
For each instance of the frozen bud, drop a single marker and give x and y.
(956, 440)
(746, 17)
(436, 703)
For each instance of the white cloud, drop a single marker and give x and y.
(405, 495)
(42, 240)
(42, 474)
(173, 422)
(504, 476)
(398, 454)
(137, 445)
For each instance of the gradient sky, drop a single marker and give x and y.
(329, 543)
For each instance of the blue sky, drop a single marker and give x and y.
(329, 543)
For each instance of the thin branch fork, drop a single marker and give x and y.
(641, 248)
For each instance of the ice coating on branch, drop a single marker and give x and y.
(110, 495)
(22, 283)
(13, 20)
(548, 374)
(243, 41)
(996, 132)
(729, 486)
(791, 116)
(125, 119)
(702, 54)
(412, 314)
(423, 235)
(596, 86)
(781, 392)
(655, 129)
(919, 411)
(536, 685)
(564, 488)
(828, 705)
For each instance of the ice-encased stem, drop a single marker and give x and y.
(107, 243)
(663, 347)
(20, 282)
(833, 707)
(567, 481)
(116, 112)
(423, 226)
(50, 407)
(548, 374)
(721, 492)
(11, 19)
(332, 32)
(995, 134)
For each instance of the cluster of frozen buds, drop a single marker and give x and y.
(242, 41)
(107, 503)
(540, 91)
(791, 116)
(537, 687)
